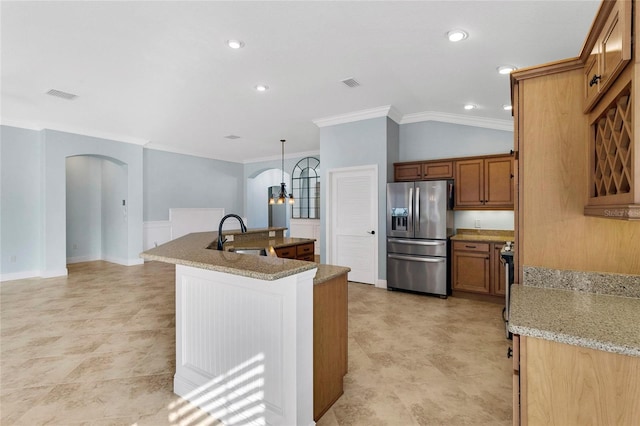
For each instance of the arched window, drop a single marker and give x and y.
(306, 189)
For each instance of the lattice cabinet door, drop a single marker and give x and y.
(612, 175)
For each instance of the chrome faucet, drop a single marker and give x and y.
(221, 240)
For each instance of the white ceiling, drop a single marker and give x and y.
(160, 73)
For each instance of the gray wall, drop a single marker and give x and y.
(432, 140)
(84, 208)
(176, 180)
(20, 201)
(357, 144)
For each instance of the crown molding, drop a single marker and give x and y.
(365, 114)
(194, 153)
(71, 129)
(391, 112)
(279, 157)
(465, 120)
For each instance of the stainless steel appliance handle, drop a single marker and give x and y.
(418, 259)
(418, 209)
(411, 208)
(417, 243)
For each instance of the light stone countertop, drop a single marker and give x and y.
(190, 250)
(596, 321)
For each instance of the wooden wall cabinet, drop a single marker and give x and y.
(423, 170)
(563, 384)
(484, 183)
(476, 268)
(609, 47)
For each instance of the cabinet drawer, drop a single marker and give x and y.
(286, 252)
(471, 246)
(304, 249)
(307, 258)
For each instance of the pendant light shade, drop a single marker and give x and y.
(283, 196)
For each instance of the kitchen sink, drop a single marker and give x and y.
(256, 252)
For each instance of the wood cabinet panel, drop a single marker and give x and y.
(330, 358)
(437, 170)
(471, 271)
(407, 172)
(484, 183)
(498, 274)
(498, 182)
(469, 185)
(611, 51)
(286, 252)
(471, 246)
(572, 385)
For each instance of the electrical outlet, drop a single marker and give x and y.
(75, 247)
(477, 223)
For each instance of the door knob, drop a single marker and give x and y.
(372, 232)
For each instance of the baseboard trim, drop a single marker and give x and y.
(78, 259)
(381, 284)
(51, 273)
(12, 276)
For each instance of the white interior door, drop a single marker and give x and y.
(353, 221)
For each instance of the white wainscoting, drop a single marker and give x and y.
(244, 347)
(156, 233)
(306, 228)
(186, 221)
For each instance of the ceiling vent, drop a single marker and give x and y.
(351, 82)
(61, 94)
(232, 137)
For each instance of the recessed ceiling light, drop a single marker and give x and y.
(262, 87)
(507, 107)
(506, 69)
(469, 107)
(457, 35)
(235, 44)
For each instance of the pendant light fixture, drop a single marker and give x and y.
(283, 186)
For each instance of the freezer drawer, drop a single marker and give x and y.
(417, 247)
(417, 273)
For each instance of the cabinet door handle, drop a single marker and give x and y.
(594, 80)
(470, 246)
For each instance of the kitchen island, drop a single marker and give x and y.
(249, 346)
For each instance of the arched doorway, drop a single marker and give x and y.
(96, 209)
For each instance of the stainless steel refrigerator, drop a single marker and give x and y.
(419, 224)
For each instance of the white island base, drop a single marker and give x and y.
(244, 346)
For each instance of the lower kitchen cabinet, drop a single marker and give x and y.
(471, 267)
(476, 268)
(564, 384)
(303, 251)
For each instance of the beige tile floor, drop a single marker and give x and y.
(97, 348)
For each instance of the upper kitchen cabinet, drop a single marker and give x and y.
(423, 170)
(614, 161)
(484, 183)
(607, 49)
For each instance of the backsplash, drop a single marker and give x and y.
(588, 282)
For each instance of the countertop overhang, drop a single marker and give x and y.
(191, 250)
(596, 321)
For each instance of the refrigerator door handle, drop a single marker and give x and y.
(411, 209)
(417, 209)
(418, 259)
(417, 242)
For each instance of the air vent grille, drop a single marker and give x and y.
(232, 137)
(61, 94)
(351, 82)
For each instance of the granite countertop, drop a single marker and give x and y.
(596, 321)
(190, 250)
(488, 235)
